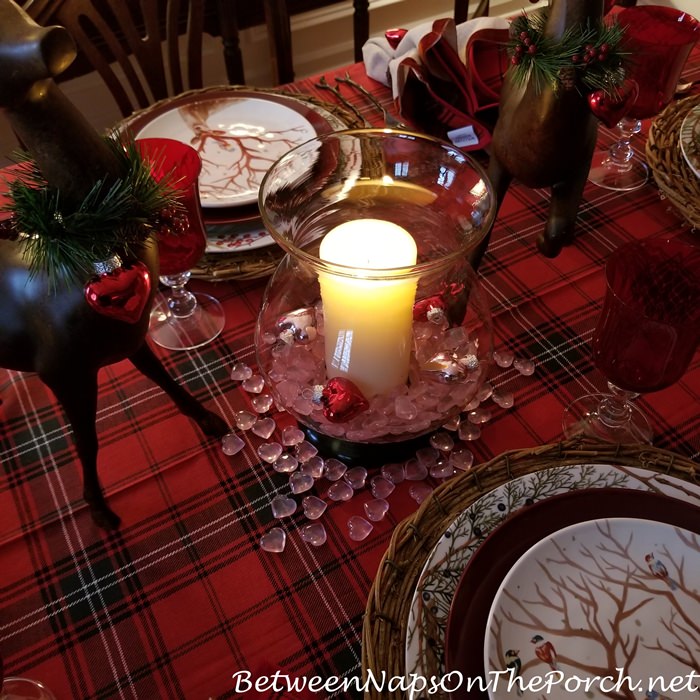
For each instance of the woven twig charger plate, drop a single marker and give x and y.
(386, 616)
(672, 174)
(258, 262)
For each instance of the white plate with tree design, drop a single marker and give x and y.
(602, 602)
(433, 596)
(238, 137)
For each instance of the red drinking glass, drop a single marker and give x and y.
(182, 238)
(658, 41)
(182, 320)
(645, 338)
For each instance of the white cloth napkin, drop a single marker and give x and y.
(381, 61)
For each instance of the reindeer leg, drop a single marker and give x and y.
(559, 229)
(500, 179)
(148, 364)
(77, 393)
(563, 209)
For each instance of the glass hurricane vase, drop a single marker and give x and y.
(13, 688)
(373, 328)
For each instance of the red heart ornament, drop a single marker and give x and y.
(611, 107)
(121, 294)
(342, 400)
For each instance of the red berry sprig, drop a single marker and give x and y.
(526, 45)
(171, 220)
(591, 54)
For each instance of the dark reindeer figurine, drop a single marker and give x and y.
(54, 332)
(546, 137)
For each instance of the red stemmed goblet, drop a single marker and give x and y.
(645, 338)
(181, 320)
(658, 41)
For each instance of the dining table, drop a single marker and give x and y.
(182, 601)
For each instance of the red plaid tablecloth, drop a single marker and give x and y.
(182, 598)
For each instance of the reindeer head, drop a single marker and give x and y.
(29, 54)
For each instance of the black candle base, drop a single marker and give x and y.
(362, 454)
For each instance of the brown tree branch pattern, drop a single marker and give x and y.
(235, 158)
(590, 594)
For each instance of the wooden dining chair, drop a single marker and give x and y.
(482, 9)
(143, 50)
(278, 20)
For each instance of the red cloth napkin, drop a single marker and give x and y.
(439, 92)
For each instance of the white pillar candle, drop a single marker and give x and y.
(368, 322)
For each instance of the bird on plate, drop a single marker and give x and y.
(545, 651)
(658, 569)
(514, 664)
(653, 695)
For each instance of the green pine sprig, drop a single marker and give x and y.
(590, 54)
(63, 242)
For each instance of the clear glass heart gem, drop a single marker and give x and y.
(314, 534)
(314, 507)
(264, 427)
(503, 358)
(274, 540)
(262, 403)
(283, 506)
(381, 487)
(285, 464)
(420, 491)
(442, 441)
(394, 473)
(254, 384)
(245, 420)
(291, 435)
(462, 458)
(240, 372)
(270, 451)
(415, 471)
(313, 467)
(359, 528)
(525, 367)
(305, 451)
(340, 491)
(334, 469)
(231, 444)
(376, 509)
(356, 477)
(300, 482)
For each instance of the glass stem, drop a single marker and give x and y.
(181, 302)
(621, 151)
(615, 409)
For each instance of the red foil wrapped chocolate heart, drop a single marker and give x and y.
(121, 294)
(342, 400)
